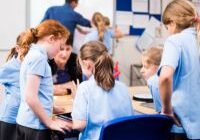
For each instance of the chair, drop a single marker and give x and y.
(138, 127)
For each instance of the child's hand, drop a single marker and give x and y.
(74, 88)
(60, 125)
(173, 116)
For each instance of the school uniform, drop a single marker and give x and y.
(9, 78)
(97, 106)
(153, 84)
(108, 35)
(181, 53)
(35, 63)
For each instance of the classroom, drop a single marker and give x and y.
(100, 70)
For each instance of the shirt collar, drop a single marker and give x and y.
(41, 49)
(190, 30)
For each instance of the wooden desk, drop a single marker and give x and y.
(66, 101)
(140, 106)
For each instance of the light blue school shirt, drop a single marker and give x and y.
(35, 63)
(152, 83)
(107, 39)
(96, 106)
(182, 54)
(9, 78)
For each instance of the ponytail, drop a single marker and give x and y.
(104, 71)
(103, 63)
(99, 22)
(11, 54)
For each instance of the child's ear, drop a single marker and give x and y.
(17, 49)
(51, 38)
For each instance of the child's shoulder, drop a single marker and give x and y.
(121, 85)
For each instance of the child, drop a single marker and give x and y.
(100, 98)
(9, 77)
(36, 85)
(100, 32)
(150, 62)
(179, 71)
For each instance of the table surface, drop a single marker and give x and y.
(66, 101)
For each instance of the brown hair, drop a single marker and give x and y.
(98, 20)
(153, 55)
(24, 48)
(46, 28)
(106, 21)
(183, 13)
(103, 73)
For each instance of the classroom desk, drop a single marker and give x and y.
(142, 107)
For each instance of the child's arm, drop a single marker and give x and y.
(165, 87)
(31, 97)
(79, 125)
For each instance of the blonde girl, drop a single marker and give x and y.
(180, 67)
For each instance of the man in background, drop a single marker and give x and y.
(66, 15)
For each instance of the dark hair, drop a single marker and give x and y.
(103, 63)
(70, 1)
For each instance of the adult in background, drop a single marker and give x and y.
(66, 15)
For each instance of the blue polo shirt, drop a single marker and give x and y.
(35, 63)
(181, 52)
(9, 78)
(96, 106)
(107, 38)
(153, 87)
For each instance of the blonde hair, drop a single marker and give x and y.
(47, 27)
(98, 20)
(19, 43)
(183, 13)
(103, 63)
(153, 55)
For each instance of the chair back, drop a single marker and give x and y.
(138, 127)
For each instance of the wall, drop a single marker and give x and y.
(13, 20)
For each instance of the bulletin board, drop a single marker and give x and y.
(132, 16)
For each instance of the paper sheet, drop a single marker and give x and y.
(124, 18)
(140, 6)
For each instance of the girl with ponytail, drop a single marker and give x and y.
(101, 33)
(179, 73)
(100, 98)
(34, 117)
(9, 78)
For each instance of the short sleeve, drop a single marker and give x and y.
(37, 66)
(171, 54)
(9, 72)
(79, 111)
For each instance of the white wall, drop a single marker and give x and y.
(13, 20)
